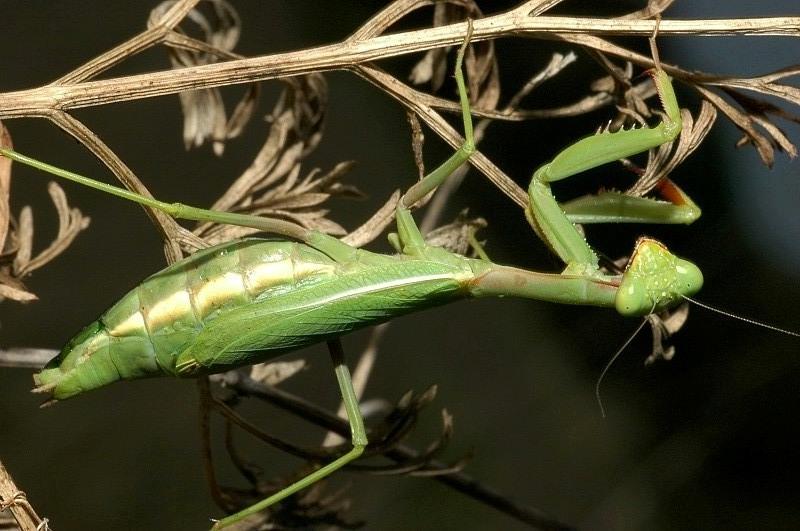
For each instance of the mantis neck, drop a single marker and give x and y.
(505, 281)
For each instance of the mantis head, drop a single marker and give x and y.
(655, 279)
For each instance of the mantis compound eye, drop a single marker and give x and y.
(655, 280)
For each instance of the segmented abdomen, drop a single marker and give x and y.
(174, 305)
(142, 334)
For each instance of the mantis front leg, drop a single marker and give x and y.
(655, 279)
(547, 216)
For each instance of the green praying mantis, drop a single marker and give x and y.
(248, 301)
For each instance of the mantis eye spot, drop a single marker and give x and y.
(633, 299)
(690, 277)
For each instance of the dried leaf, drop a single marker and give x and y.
(5, 187)
(13, 288)
(296, 120)
(779, 138)
(480, 63)
(376, 224)
(743, 122)
(664, 325)
(433, 65)
(276, 372)
(25, 239)
(765, 85)
(273, 185)
(458, 235)
(667, 157)
(204, 110)
(16, 294)
(654, 7)
(70, 223)
(243, 111)
(758, 110)
(18, 243)
(203, 118)
(754, 116)
(261, 169)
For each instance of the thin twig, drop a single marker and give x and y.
(26, 358)
(154, 34)
(40, 101)
(13, 499)
(459, 481)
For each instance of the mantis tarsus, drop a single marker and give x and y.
(247, 301)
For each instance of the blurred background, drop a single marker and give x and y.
(707, 439)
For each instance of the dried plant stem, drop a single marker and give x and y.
(73, 91)
(41, 101)
(26, 358)
(14, 500)
(154, 34)
(433, 119)
(171, 231)
(78, 89)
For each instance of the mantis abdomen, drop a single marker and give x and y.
(244, 302)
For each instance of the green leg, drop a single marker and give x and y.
(359, 438)
(548, 217)
(176, 210)
(615, 207)
(654, 279)
(431, 181)
(333, 247)
(410, 239)
(409, 235)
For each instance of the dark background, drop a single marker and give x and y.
(705, 440)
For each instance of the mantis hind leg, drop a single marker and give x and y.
(359, 440)
(175, 210)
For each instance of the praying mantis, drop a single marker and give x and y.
(248, 301)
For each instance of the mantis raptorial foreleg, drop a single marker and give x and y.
(549, 218)
(651, 267)
(654, 279)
